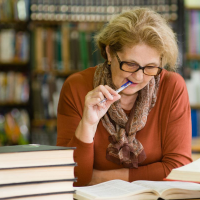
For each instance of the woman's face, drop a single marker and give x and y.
(141, 54)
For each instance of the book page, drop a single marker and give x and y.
(114, 188)
(167, 187)
(191, 167)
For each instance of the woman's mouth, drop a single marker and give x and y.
(133, 84)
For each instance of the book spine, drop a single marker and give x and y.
(194, 122)
(83, 50)
(65, 47)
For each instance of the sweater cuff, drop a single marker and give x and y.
(75, 142)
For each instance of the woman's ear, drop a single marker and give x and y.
(108, 53)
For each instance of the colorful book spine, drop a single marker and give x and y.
(83, 49)
(194, 123)
(96, 10)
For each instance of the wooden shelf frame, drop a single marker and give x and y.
(196, 144)
(197, 106)
(192, 7)
(193, 57)
(54, 72)
(42, 122)
(15, 62)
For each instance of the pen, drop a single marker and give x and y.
(120, 89)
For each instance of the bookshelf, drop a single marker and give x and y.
(59, 32)
(196, 148)
(192, 61)
(14, 73)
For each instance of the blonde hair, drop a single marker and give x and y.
(137, 26)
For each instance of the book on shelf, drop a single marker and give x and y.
(83, 49)
(7, 37)
(50, 48)
(14, 87)
(65, 47)
(38, 48)
(120, 190)
(38, 107)
(188, 173)
(74, 62)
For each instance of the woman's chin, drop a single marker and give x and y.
(129, 92)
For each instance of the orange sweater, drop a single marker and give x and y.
(166, 137)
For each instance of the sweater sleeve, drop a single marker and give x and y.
(69, 115)
(175, 133)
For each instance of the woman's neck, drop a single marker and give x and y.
(128, 101)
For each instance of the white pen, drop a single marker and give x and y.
(119, 90)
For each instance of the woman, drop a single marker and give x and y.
(143, 132)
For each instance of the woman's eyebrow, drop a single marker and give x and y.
(152, 63)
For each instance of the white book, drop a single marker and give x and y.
(138, 190)
(7, 46)
(189, 172)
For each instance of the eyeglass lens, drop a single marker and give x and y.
(132, 67)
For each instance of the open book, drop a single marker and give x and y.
(138, 190)
(189, 172)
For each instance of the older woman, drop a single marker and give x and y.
(143, 132)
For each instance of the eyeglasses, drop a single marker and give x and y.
(134, 67)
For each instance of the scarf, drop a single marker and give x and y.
(124, 148)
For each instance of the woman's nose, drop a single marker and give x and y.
(138, 75)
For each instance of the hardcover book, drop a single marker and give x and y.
(33, 155)
(189, 172)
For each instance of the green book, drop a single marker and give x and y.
(94, 51)
(59, 61)
(83, 50)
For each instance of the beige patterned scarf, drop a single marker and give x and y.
(124, 148)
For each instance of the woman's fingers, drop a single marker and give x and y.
(100, 93)
(96, 101)
(106, 91)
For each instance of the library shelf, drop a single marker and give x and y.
(15, 62)
(19, 66)
(47, 22)
(196, 144)
(54, 72)
(192, 7)
(13, 104)
(193, 56)
(195, 107)
(42, 122)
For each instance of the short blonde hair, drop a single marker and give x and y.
(140, 25)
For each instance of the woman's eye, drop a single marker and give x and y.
(132, 64)
(150, 67)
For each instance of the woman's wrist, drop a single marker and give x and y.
(85, 132)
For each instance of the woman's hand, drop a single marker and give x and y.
(107, 175)
(94, 111)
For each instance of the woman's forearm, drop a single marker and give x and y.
(99, 176)
(85, 132)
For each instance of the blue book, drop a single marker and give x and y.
(194, 123)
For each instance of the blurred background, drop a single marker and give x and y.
(42, 42)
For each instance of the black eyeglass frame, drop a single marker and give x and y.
(139, 67)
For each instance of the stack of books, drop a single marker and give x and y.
(36, 172)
